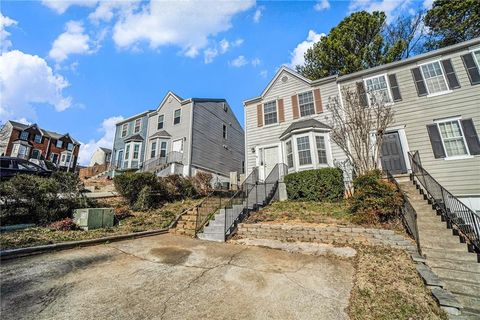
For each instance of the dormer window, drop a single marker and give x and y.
(59, 144)
(38, 138)
(24, 135)
(70, 146)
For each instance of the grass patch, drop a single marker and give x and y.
(137, 222)
(387, 286)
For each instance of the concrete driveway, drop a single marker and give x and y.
(172, 277)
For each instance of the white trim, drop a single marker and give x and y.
(135, 125)
(276, 111)
(121, 130)
(173, 142)
(443, 75)
(314, 106)
(163, 121)
(472, 52)
(389, 91)
(447, 157)
(260, 148)
(173, 121)
(312, 158)
(277, 75)
(165, 99)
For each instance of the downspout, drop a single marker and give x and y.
(191, 140)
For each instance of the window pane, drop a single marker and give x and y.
(289, 154)
(138, 123)
(176, 116)
(153, 150)
(24, 135)
(377, 89)
(477, 56)
(321, 149)
(305, 101)
(452, 138)
(270, 112)
(303, 146)
(136, 148)
(38, 138)
(434, 77)
(160, 122)
(163, 149)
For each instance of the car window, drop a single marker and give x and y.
(6, 164)
(27, 166)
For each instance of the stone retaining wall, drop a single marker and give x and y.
(325, 234)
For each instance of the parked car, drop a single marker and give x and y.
(10, 166)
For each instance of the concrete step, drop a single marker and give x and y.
(454, 265)
(461, 287)
(439, 240)
(220, 237)
(214, 228)
(457, 275)
(443, 254)
(451, 247)
(470, 303)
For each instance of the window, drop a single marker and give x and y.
(62, 159)
(303, 147)
(160, 121)
(476, 54)
(59, 144)
(321, 149)
(176, 116)
(270, 112)
(124, 130)
(153, 149)
(24, 135)
(136, 151)
(37, 138)
(377, 89)
(163, 149)
(289, 153)
(224, 132)
(452, 138)
(137, 126)
(23, 151)
(69, 155)
(127, 152)
(36, 154)
(70, 146)
(305, 103)
(54, 157)
(434, 78)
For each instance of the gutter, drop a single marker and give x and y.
(21, 252)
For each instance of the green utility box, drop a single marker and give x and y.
(93, 218)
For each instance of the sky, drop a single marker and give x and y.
(80, 66)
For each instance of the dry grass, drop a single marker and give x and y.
(137, 222)
(387, 286)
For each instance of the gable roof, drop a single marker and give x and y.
(305, 124)
(106, 150)
(138, 115)
(292, 73)
(161, 133)
(135, 137)
(46, 133)
(169, 93)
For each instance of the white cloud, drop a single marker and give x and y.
(25, 80)
(392, 8)
(216, 49)
(238, 62)
(297, 56)
(263, 73)
(256, 61)
(108, 130)
(106, 10)
(187, 24)
(5, 22)
(427, 4)
(60, 6)
(258, 14)
(72, 41)
(322, 5)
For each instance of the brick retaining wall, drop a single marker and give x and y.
(325, 234)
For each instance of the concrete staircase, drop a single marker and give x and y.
(258, 197)
(446, 253)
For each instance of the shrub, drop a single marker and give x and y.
(121, 213)
(202, 181)
(315, 185)
(129, 185)
(374, 199)
(178, 187)
(66, 224)
(146, 200)
(33, 199)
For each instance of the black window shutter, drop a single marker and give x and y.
(419, 83)
(436, 141)
(471, 136)
(472, 69)
(450, 74)
(392, 78)
(362, 94)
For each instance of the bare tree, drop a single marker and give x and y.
(358, 126)
(409, 32)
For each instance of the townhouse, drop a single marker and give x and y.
(436, 102)
(32, 142)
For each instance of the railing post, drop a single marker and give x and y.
(265, 191)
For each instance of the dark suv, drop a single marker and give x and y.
(10, 166)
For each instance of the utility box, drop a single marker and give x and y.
(93, 218)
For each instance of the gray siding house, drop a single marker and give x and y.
(436, 102)
(187, 135)
(287, 124)
(129, 143)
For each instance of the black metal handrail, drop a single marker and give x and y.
(408, 213)
(155, 163)
(456, 214)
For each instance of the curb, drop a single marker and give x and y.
(21, 252)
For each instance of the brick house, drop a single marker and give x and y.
(32, 142)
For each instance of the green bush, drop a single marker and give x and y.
(40, 200)
(178, 187)
(146, 200)
(202, 181)
(129, 185)
(374, 199)
(315, 185)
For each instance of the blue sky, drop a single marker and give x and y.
(79, 66)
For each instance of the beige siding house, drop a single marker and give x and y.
(196, 134)
(436, 102)
(288, 124)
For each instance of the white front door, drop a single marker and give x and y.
(270, 159)
(177, 145)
